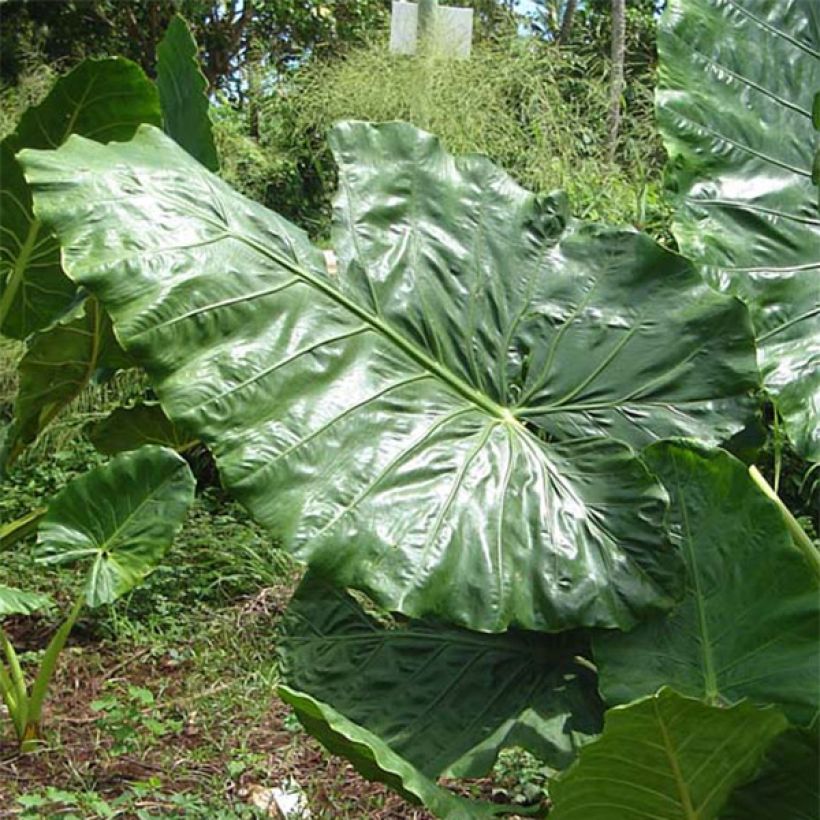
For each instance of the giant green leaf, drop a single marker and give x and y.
(447, 700)
(183, 93)
(432, 425)
(120, 518)
(101, 99)
(375, 760)
(735, 93)
(749, 626)
(666, 757)
(787, 787)
(58, 365)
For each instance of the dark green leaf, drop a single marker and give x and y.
(18, 602)
(120, 517)
(129, 428)
(445, 699)
(427, 425)
(665, 757)
(788, 785)
(372, 758)
(749, 626)
(735, 108)
(183, 93)
(58, 365)
(101, 99)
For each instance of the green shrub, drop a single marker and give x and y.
(535, 109)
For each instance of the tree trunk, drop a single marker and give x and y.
(616, 86)
(566, 22)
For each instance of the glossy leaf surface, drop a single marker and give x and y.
(372, 758)
(183, 93)
(129, 428)
(445, 699)
(735, 95)
(426, 426)
(58, 365)
(787, 785)
(749, 626)
(666, 757)
(101, 99)
(15, 601)
(120, 518)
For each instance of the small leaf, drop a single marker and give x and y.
(18, 602)
(445, 699)
(129, 428)
(748, 625)
(665, 756)
(183, 93)
(120, 517)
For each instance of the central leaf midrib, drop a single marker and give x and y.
(460, 386)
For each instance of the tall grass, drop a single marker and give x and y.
(537, 110)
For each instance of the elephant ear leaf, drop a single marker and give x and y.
(183, 94)
(735, 96)
(438, 424)
(725, 641)
(666, 756)
(15, 601)
(100, 99)
(129, 428)
(375, 760)
(472, 693)
(788, 783)
(120, 518)
(58, 365)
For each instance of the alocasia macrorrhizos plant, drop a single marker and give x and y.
(69, 342)
(119, 519)
(441, 425)
(737, 82)
(451, 425)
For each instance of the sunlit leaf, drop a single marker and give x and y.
(736, 87)
(433, 424)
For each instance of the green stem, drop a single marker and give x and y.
(778, 451)
(9, 695)
(801, 539)
(31, 734)
(18, 681)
